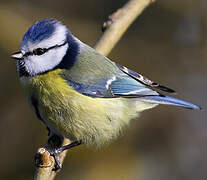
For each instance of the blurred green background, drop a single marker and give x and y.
(167, 43)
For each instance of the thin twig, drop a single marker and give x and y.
(45, 163)
(118, 23)
(114, 29)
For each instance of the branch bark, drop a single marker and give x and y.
(45, 163)
(118, 23)
(114, 29)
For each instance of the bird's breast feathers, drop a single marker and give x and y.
(68, 112)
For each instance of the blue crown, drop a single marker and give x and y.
(39, 31)
(42, 30)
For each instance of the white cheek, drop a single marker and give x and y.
(39, 64)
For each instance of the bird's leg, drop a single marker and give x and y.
(54, 147)
(54, 140)
(49, 131)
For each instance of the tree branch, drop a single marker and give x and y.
(45, 163)
(118, 23)
(114, 29)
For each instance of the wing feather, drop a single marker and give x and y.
(95, 75)
(143, 79)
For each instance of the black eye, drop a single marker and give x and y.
(39, 51)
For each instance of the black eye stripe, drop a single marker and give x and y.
(40, 51)
(28, 54)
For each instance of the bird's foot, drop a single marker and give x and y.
(55, 152)
(56, 155)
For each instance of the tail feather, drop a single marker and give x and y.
(161, 99)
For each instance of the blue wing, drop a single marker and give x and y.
(129, 84)
(113, 87)
(124, 82)
(128, 88)
(95, 90)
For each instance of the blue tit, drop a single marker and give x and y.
(78, 93)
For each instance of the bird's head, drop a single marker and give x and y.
(44, 47)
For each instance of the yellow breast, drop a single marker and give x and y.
(76, 116)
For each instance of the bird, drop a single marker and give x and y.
(78, 93)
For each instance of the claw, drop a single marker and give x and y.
(55, 152)
(56, 155)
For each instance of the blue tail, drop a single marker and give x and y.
(161, 99)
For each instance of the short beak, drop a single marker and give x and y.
(17, 55)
